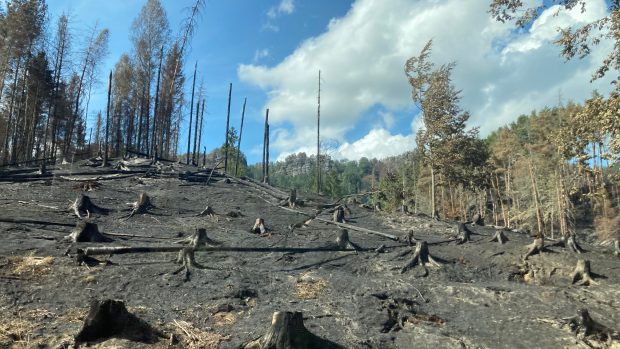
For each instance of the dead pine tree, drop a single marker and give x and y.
(287, 331)
(226, 144)
(421, 256)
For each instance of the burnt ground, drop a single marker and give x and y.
(483, 296)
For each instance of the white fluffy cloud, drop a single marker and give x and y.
(284, 7)
(503, 73)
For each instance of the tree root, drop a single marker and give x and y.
(421, 256)
(141, 206)
(110, 318)
(83, 205)
(499, 237)
(87, 232)
(582, 274)
(535, 247)
(287, 331)
(583, 326)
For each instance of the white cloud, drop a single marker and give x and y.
(259, 54)
(502, 73)
(285, 7)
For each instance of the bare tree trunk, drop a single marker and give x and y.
(227, 126)
(10, 117)
(318, 140)
(191, 112)
(107, 122)
(194, 159)
(541, 227)
(239, 141)
(265, 146)
(155, 137)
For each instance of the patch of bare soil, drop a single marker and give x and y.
(214, 280)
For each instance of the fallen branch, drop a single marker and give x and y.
(34, 221)
(95, 251)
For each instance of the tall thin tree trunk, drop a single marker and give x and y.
(202, 112)
(107, 122)
(227, 126)
(318, 139)
(191, 113)
(194, 159)
(265, 146)
(239, 141)
(155, 137)
(10, 117)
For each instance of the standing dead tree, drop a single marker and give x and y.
(288, 331)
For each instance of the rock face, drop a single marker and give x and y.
(300, 164)
(481, 294)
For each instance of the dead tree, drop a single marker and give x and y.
(535, 247)
(259, 226)
(344, 242)
(583, 326)
(141, 206)
(83, 205)
(87, 232)
(500, 237)
(110, 318)
(287, 331)
(339, 215)
(582, 274)
(422, 257)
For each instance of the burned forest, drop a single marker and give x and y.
(146, 201)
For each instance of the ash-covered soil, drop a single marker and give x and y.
(483, 295)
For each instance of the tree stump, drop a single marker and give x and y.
(83, 205)
(110, 318)
(199, 238)
(409, 238)
(87, 232)
(569, 241)
(259, 226)
(339, 215)
(582, 274)
(287, 331)
(291, 201)
(463, 234)
(343, 241)
(584, 326)
(535, 247)
(499, 237)
(187, 260)
(422, 257)
(617, 247)
(141, 206)
(476, 219)
(208, 211)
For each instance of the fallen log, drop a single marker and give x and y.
(287, 331)
(582, 274)
(111, 250)
(34, 221)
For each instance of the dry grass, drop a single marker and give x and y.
(308, 286)
(192, 337)
(15, 333)
(74, 315)
(225, 319)
(30, 265)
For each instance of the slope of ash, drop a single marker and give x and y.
(482, 294)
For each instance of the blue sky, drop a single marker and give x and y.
(272, 50)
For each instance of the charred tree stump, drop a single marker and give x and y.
(499, 237)
(476, 219)
(422, 257)
(344, 242)
(141, 206)
(110, 318)
(287, 331)
(535, 247)
(339, 215)
(83, 205)
(259, 226)
(582, 274)
(617, 247)
(208, 211)
(291, 201)
(200, 238)
(569, 241)
(409, 238)
(584, 326)
(87, 232)
(463, 234)
(186, 256)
